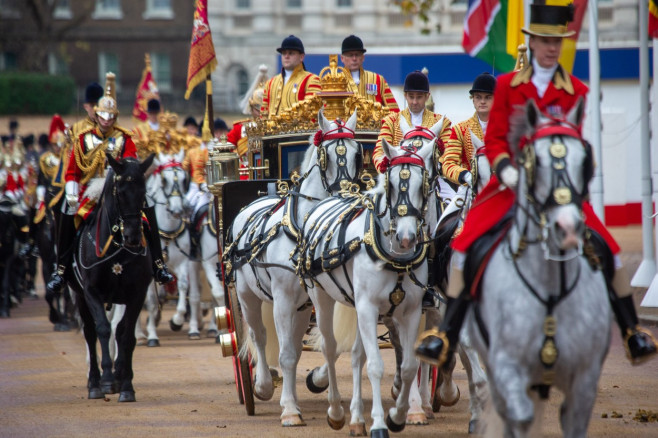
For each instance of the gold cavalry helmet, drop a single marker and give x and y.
(107, 105)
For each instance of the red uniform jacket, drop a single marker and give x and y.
(513, 90)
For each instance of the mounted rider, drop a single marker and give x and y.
(86, 161)
(456, 160)
(294, 84)
(555, 92)
(370, 85)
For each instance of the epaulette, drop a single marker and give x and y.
(562, 80)
(523, 76)
(124, 131)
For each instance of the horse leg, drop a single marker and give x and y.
(408, 331)
(324, 309)
(367, 319)
(357, 420)
(477, 381)
(579, 398)
(89, 331)
(125, 335)
(448, 391)
(153, 311)
(510, 396)
(176, 322)
(251, 312)
(217, 291)
(287, 325)
(194, 300)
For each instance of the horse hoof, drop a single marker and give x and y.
(294, 420)
(127, 396)
(61, 327)
(378, 433)
(195, 336)
(4, 313)
(211, 333)
(153, 343)
(312, 386)
(95, 394)
(358, 429)
(452, 402)
(416, 420)
(429, 413)
(108, 388)
(174, 327)
(392, 425)
(336, 424)
(473, 426)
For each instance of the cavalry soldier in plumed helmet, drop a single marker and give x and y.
(86, 161)
(362, 82)
(555, 92)
(293, 84)
(456, 160)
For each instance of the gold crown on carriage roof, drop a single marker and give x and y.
(337, 102)
(168, 121)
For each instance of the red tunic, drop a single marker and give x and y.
(514, 90)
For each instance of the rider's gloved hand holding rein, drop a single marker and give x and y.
(507, 173)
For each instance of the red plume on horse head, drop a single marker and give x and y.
(57, 128)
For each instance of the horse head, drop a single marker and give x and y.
(406, 183)
(480, 166)
(555, 167)
(167, 182)
(339, 155)
(126, 185)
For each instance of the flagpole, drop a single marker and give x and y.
(645, 274)
(596, 190)
(209, 117)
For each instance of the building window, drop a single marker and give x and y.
(8, 61)
(107, 10)
(108, 62)
(344, 3)
(342, 20)
(161, 69)
(297, 4)
(10, 9)
(242, 4)
(243, 82)
(62, 10)
(57, 65)
(158, 10)
(293, 21)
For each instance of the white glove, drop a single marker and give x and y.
(203, 187)
(509, 176)
(468, 179)
(41, 193)
(72, 189)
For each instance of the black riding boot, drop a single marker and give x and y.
(639, 343)
(194, 239)
(160, 271)
(436, 346)
(65, 237)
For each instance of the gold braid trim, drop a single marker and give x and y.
(89, 163)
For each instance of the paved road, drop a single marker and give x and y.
(185, 389)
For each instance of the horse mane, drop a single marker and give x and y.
(518, 128)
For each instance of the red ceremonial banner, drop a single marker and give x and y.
(202, 51)
(653, 18)
(146, 90)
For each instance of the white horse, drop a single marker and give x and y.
(544, 317)
(379, 271)
(262, 238)
(164, 189)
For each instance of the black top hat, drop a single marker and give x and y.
(220, 125)
(28, 140)
(291, 43)
(417, 81)
(153, 106)
(93, 93)
(352, 44)
(550, 20)
(484, 83)
(190, 121)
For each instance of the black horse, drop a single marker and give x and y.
(12, 233)
(113, 266)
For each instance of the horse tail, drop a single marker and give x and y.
(272, 346)
(345, 328)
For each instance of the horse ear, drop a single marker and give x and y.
(386, 148)
(180, 155)
(404, 126)
(577, 113)
(322, 121)
(160, 158)
(475, 141)
(351, 122)
(532, 113)
(437, 127)
(116, 165)
(144, 165)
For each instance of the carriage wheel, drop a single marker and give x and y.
(435, 380)
(241, 366)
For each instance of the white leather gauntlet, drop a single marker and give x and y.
(72, 190)
(509, 176)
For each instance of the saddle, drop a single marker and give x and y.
(481, 251)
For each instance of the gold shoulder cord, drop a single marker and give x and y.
(89, 163)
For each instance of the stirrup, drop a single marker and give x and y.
(161, 273)
(432, 357)
(642, 356)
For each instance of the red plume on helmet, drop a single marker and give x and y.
(57, 128)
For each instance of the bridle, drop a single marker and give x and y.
(175, 192)
(336, 137)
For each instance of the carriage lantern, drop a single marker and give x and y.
(223, 163)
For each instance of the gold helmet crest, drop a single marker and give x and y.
(107, 105)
